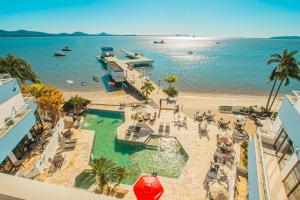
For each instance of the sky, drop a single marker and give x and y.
(223, 18)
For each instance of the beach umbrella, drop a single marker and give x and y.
(241, 118)
(148, 188)
(217, 191)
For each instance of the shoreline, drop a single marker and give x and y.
(190, 102)
(181, 93)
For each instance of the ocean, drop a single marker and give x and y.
(217, 65)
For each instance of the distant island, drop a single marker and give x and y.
(25, 33)
(285, 37)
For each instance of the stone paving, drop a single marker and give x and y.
(189, 186)
(75, 161)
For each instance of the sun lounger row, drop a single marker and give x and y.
(133, 130)
(163, 128)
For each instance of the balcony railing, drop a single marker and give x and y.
(262, 164)
(267, 136)
(12, 121)
(4, 77)
(27, 98)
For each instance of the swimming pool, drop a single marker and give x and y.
(162, 155)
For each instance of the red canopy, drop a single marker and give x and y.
(148, 188)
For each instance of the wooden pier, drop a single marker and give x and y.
(136, 80)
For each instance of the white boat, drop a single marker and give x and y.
(59, 53)
(66, 48)
(159, 42)
(107, 52)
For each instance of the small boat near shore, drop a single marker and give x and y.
(59, 53)
(159, 42)
(66, 48)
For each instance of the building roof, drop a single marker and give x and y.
(21, 188)
(107, 49)
(115, 67)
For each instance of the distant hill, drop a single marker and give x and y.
(25, 33)
(285, 37)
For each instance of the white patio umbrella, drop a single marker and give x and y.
(241, 118)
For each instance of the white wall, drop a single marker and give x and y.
(277, 124)
(6, 108)
(297, 105)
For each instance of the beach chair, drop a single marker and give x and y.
(203, 129)
(69, 146)
(161, 128)
(140, 118)
(129, 130)
(136, 131)
(69, 141)
(167, 128)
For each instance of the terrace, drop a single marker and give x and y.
(200, 149)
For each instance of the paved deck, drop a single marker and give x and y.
(276, 187)
(136, 80)
(189, 186)
(136, 58)
(75, 161)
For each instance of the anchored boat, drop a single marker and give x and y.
(66, 48)
(159, 42)
(59, 53)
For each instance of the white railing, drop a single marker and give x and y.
(14, 120)
(4, 78)
(267, 136)
(27, 98)
(265, 182)
(232, 179)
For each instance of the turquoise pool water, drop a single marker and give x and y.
(164, 156)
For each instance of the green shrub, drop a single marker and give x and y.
(172, 92)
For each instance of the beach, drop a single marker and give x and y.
(191, 102)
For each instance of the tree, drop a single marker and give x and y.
(147, 89)
(122, 174)
(76, 103)
(49, 99)
(18, 68)
(286, 68)
(171, 91)
(105, 172)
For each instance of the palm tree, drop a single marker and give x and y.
(122, 173)
(147, 88)
(105, 171)
(286, 68)
(77, 102)
(170, 79)
(18, 68)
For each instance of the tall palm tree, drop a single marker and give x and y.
(105, 171)
(170, 79)
(286, 68)
(18, 68)
(147, 89)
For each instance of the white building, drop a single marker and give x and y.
(273, 158)
(18, 121)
